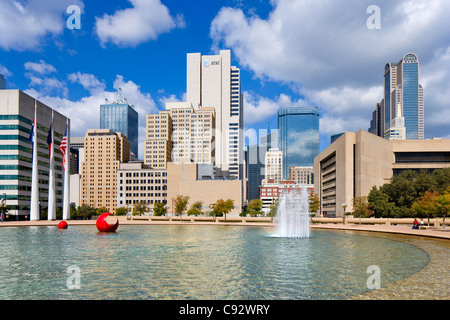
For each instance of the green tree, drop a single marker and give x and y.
(85, 211)
(254, 207)
(195, 209)
(222, 207)
(140, 208)
(380, 205)
(361, 207)
(73, 211)
(314, 203)
(442, 179)
(443, 204)
(121, 211)
(181, 203)
(159, 209)
(425, 206)
(101, 210)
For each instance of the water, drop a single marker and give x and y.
(293, 215)
(197, 262)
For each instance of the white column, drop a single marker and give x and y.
(51, 215)
(34, 207)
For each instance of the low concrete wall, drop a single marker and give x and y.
(387, 221)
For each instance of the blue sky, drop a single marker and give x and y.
(301, 53)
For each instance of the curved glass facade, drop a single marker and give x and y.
(298, 136)
(411, 99)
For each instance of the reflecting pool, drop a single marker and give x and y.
(197, 262)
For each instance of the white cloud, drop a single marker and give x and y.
(327, 54)
(25, 25)
(40, 67)
(145, 21)
(4, 71)
(258, 108)
(87, 81)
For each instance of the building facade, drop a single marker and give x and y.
(105, 150)
(119, 116)
(16, 119)
(274, 165)
(298, 134)
(158, 141)
(179, 134)
(302, 175)
(197, 181)
(356, 162)
(400, 114)
(137, 182)
(212, 82)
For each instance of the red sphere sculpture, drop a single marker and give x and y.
(104, 226)
(63, 225)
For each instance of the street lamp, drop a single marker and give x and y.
(344, 205)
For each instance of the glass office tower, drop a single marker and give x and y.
(121, 117)
(298, 136)
(403, 98)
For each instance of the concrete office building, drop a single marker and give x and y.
(179, 134)
(104, 151)
(212, 82)
(16, 119)
(158, 141)
(356, 162)
(137, 182)
(199, 184)
(119, 116)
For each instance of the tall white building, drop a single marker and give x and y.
(274, 165)
(213, 82)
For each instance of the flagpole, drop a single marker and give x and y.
(66, 197)
(34, 206)
(51, 181)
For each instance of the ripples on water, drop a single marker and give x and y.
(197, 262)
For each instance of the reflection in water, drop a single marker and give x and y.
(197, 262)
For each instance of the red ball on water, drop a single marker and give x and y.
(63, 225)
(103, 225)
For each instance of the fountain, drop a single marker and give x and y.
(293, 214)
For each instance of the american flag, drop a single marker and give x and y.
(63, 147)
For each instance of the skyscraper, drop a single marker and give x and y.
(298, 134)
(255, 161)
(121, 117)
(400, 114)
(104, 151)
(179, 134)
(213, 82)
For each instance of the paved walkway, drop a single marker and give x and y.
(436, 232)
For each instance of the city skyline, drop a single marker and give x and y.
(73, 71)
